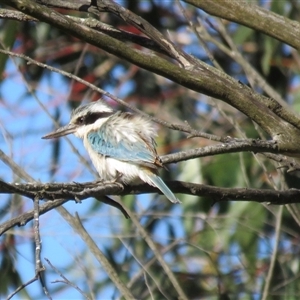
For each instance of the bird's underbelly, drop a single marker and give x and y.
(110, 169)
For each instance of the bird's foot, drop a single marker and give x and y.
(83, 184)
(99, 181)
(118, 177)
(114, 181)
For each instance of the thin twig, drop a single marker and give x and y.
(94, 24)
(148, 264)
(274, 254)
(158, 255)
(179, 127)
(200, 39)
(35, 214)
(21, 287)
(65, 280)
(144, 270)
(294, 211)
(145, 27)
(39, 268)
(37, 239)
(148, 286)
(76, 224)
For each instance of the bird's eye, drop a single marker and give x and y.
(80, 120)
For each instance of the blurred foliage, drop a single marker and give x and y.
(216, 251)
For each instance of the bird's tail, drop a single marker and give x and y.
(159, 183)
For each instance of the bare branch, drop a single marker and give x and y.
(16, 15)
(39, 268)
(95, 24)
(146, 28)
(73, 191)
(21, 287)
(130, 18)
(255, 17)
(76, 224)
(271, 268)
(66, 280)
(180, 127)
(152, 245)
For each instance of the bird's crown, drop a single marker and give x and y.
(90, 113)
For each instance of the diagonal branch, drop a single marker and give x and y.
(77, 226)
(94, 24)
(145, 27)
(255, 17)
(180, 127)
(131, 18)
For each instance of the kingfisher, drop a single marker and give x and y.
(121, 145)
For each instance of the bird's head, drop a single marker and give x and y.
(84, 119)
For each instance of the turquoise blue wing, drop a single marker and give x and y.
(135, 152)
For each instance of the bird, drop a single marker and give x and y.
(121, 145)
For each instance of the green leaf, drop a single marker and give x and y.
(8, 37)
(242, 34)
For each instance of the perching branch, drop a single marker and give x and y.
(75, 191)
(79, 192)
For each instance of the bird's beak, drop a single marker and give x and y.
(70, 128)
